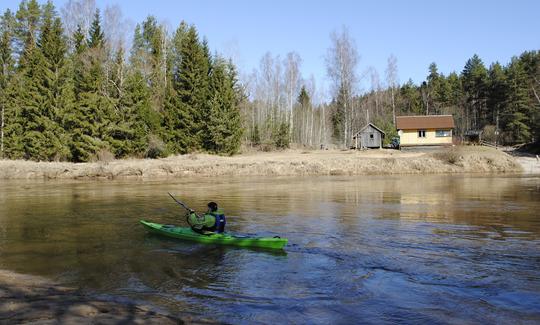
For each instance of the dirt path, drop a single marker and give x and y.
(529, 164)
(32, 299)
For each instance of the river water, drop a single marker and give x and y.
(373, 249)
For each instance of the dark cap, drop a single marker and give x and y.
(212, 206)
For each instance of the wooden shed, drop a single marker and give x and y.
(369, 136)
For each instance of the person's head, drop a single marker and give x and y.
(212, 206)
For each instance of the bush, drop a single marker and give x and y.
(156, 148)
(281, 137)
(103, 155)
(255, 136)
(267, 147)
(449, 156)
(489, 133)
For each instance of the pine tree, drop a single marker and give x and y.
(497, 91)
(518, 110)
(474, 77)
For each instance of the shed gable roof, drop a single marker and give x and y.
(369, 124)
(425, 122)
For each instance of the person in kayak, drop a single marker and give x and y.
(213, 220)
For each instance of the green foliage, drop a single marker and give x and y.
(7, 69)
(281, 136)
(410, 99)
(387, 125)
(224, 131)
(77, 100)
(187, 108)
(338, 115)
(97, 37)
(255, 137)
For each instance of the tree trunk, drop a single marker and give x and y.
(393, 106)
(2, 133)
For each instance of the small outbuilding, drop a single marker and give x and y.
(473, 136)
(369, 136)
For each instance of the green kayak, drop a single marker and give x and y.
(187, 233)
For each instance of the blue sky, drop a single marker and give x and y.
(416, 32)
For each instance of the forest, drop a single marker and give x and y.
(73, 88)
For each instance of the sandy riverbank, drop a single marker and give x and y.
(284, 163)
(36, 300)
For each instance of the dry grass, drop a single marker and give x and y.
(281, 163)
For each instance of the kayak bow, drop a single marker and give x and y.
(186, 233)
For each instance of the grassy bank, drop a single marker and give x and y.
(285, 163)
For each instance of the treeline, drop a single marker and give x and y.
(489, 99)
(502, 101)
(72, 90)
(74, 96)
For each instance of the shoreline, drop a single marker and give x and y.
(37, 300)
(282, 163)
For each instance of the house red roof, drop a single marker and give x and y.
(425, 122)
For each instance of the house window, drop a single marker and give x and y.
(443, 133)
(371, 135)
(421, 133)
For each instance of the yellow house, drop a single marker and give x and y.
(427, 130)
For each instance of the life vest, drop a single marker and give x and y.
(220, 220)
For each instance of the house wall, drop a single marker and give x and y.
(410, 138)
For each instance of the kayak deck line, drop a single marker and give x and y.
(186, 233)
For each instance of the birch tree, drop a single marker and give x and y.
(392, 83)
(78, 13)
(292, 84)
(341, 61)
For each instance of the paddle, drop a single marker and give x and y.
(190, 212)
(182, 204)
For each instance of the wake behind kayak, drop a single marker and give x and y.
(186, 233)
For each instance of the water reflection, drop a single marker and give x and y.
(366, 249)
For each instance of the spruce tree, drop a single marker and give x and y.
(128, 135)
(518, 108)
(90, 123)
(27, 27)
(224, 130)
(411, 99)
(7, 68)
(187, 107)
(338, 115)
(96, 38)
(43, 79)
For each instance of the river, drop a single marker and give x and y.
(374, 249)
